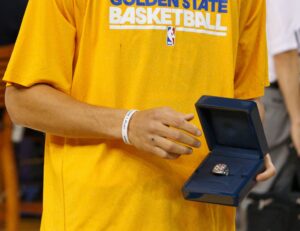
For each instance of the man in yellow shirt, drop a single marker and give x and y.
(79, 65)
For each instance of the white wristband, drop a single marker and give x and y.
(125, 125)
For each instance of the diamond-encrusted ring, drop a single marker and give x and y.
(221, 169)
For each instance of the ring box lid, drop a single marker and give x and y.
(233, 125)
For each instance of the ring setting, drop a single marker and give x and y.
(220, 169)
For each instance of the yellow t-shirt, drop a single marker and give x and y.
(135, 54)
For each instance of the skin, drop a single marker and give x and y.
(287, 70)
(160, 131)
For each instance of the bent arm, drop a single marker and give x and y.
(287, 68)
(46, 109)
(160, 131)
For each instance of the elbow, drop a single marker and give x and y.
(13, 104)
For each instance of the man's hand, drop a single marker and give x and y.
(164, 132)
(270, 168)
(295, 133)
(269, 172)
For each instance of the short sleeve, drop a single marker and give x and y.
(281, 31)
(251, 73)
(44, 50)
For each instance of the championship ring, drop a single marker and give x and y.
(221, 169)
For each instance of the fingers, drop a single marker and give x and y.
(269, 172)
(189, 117)
(171, 147)
(178, 120)
(178, 136)
(164, 132)
(163, 154)
(183, 124)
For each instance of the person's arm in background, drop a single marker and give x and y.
(287, 69)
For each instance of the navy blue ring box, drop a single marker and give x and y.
(235, 137)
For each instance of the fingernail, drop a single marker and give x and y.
(198, 144)
(190, 151)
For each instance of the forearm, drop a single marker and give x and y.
(287, 70)
(46, 109)
(160, 131)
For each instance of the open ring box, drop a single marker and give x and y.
(235, 137)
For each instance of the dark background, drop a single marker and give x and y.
(11, 14)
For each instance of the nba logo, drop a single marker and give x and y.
(170, 35)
